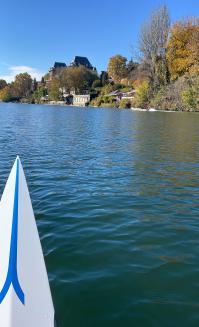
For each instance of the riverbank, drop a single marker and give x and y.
(63, 104)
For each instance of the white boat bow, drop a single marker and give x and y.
(25, 296)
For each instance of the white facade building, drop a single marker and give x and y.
(81, 100)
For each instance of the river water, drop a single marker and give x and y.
(116, 199)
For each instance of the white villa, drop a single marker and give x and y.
(81, 100)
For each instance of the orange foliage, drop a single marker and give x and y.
(125, 81)
(5, 94)
(194, 46)
(183, 48)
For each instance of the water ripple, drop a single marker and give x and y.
(116, 199)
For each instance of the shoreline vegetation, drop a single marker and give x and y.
(165, 74)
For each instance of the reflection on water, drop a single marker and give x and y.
(116, 195)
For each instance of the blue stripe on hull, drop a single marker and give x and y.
(12, 276)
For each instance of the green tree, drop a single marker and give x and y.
(3, 84)
(97, 84)
(108, 88)
(34, 87)
(142, 96)
(104, 78)
(125, 104)
(40, 92)
(54, 92)
(190, 96)
(117, 68)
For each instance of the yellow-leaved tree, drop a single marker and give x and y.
(183, 48)
(194, 46)
(117, 68)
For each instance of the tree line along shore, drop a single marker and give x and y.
(164, 75)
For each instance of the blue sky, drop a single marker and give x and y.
(35, 33)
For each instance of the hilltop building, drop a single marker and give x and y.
(59, 65)
(71, 97)
(53, 70)
(82, 61)
(77, 61)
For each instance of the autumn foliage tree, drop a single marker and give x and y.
(117, 68)
(194, 55)
(183, 48)
(22, 86)
(77, 79)
(6, 94)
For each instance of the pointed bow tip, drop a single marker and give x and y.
(17, 160)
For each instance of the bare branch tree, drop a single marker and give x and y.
(153, 42)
